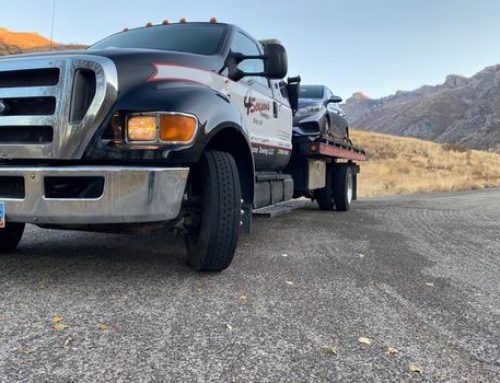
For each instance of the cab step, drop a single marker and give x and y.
(281, 208)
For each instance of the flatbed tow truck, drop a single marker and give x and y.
(183, 126)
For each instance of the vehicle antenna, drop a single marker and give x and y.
(52, 25)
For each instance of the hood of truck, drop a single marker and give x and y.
(75, 92)
(136, 66)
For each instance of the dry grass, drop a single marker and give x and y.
(400, 165)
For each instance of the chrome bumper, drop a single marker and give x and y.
(131, 194)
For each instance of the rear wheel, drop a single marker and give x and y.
(213, 212)
(325, 196)
(343, 188)
(338, 192)
(10, 236)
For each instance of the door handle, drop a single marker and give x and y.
(275, 109)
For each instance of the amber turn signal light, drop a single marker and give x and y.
(177, 128)
(141, 128)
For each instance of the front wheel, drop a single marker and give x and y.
(213, 212)
(10, 236)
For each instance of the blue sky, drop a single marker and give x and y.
(376, 46)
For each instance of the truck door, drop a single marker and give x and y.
(261, 112)
(284, 116)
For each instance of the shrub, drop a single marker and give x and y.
(454, 148)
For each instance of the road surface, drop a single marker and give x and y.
(420, 274)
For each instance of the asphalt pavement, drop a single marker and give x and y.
(403, 289)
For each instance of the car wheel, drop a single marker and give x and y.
(326, 127)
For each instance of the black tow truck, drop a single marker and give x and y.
(174, 126)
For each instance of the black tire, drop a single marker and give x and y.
(325, 196)
(343, 187)
(10, 236)
(214, 199)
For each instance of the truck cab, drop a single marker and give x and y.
(120, 137)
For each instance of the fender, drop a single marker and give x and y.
(220, 128)
(212, 108)
(230, 138)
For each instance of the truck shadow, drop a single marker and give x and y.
(58, 254)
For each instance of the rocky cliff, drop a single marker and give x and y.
(462, 111)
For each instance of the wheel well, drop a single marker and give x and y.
(233, 142)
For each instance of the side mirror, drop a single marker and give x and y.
(334, 100)
(276, 63)
(293, 90)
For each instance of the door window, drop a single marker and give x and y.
(244, 45)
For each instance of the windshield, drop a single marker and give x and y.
(311, 91)
(203, 38)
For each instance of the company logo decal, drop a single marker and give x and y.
(253, 106)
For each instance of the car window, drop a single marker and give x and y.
(244, 45)
(311, 91)
(280, 91)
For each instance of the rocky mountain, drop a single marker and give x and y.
(462, 111)
(21, 42)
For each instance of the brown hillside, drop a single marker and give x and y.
(23, 40)
(12, 43)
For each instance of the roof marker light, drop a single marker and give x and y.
(183, 20)
(213, 20)
(125, 29)
(165, 22)
(150, 24)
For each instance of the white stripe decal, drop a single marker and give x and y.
(174, 72)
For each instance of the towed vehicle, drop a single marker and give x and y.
(184, 126)
(319, 113)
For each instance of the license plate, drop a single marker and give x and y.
(2, 215)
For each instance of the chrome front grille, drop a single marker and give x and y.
(51, 106)
(32, 106)
(29, 77)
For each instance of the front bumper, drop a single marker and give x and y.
(312, 118)
(130, 194)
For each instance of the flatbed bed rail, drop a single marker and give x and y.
(335, 149)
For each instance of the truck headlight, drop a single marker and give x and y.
(162, 127)
(309, 109)
(142, 128)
